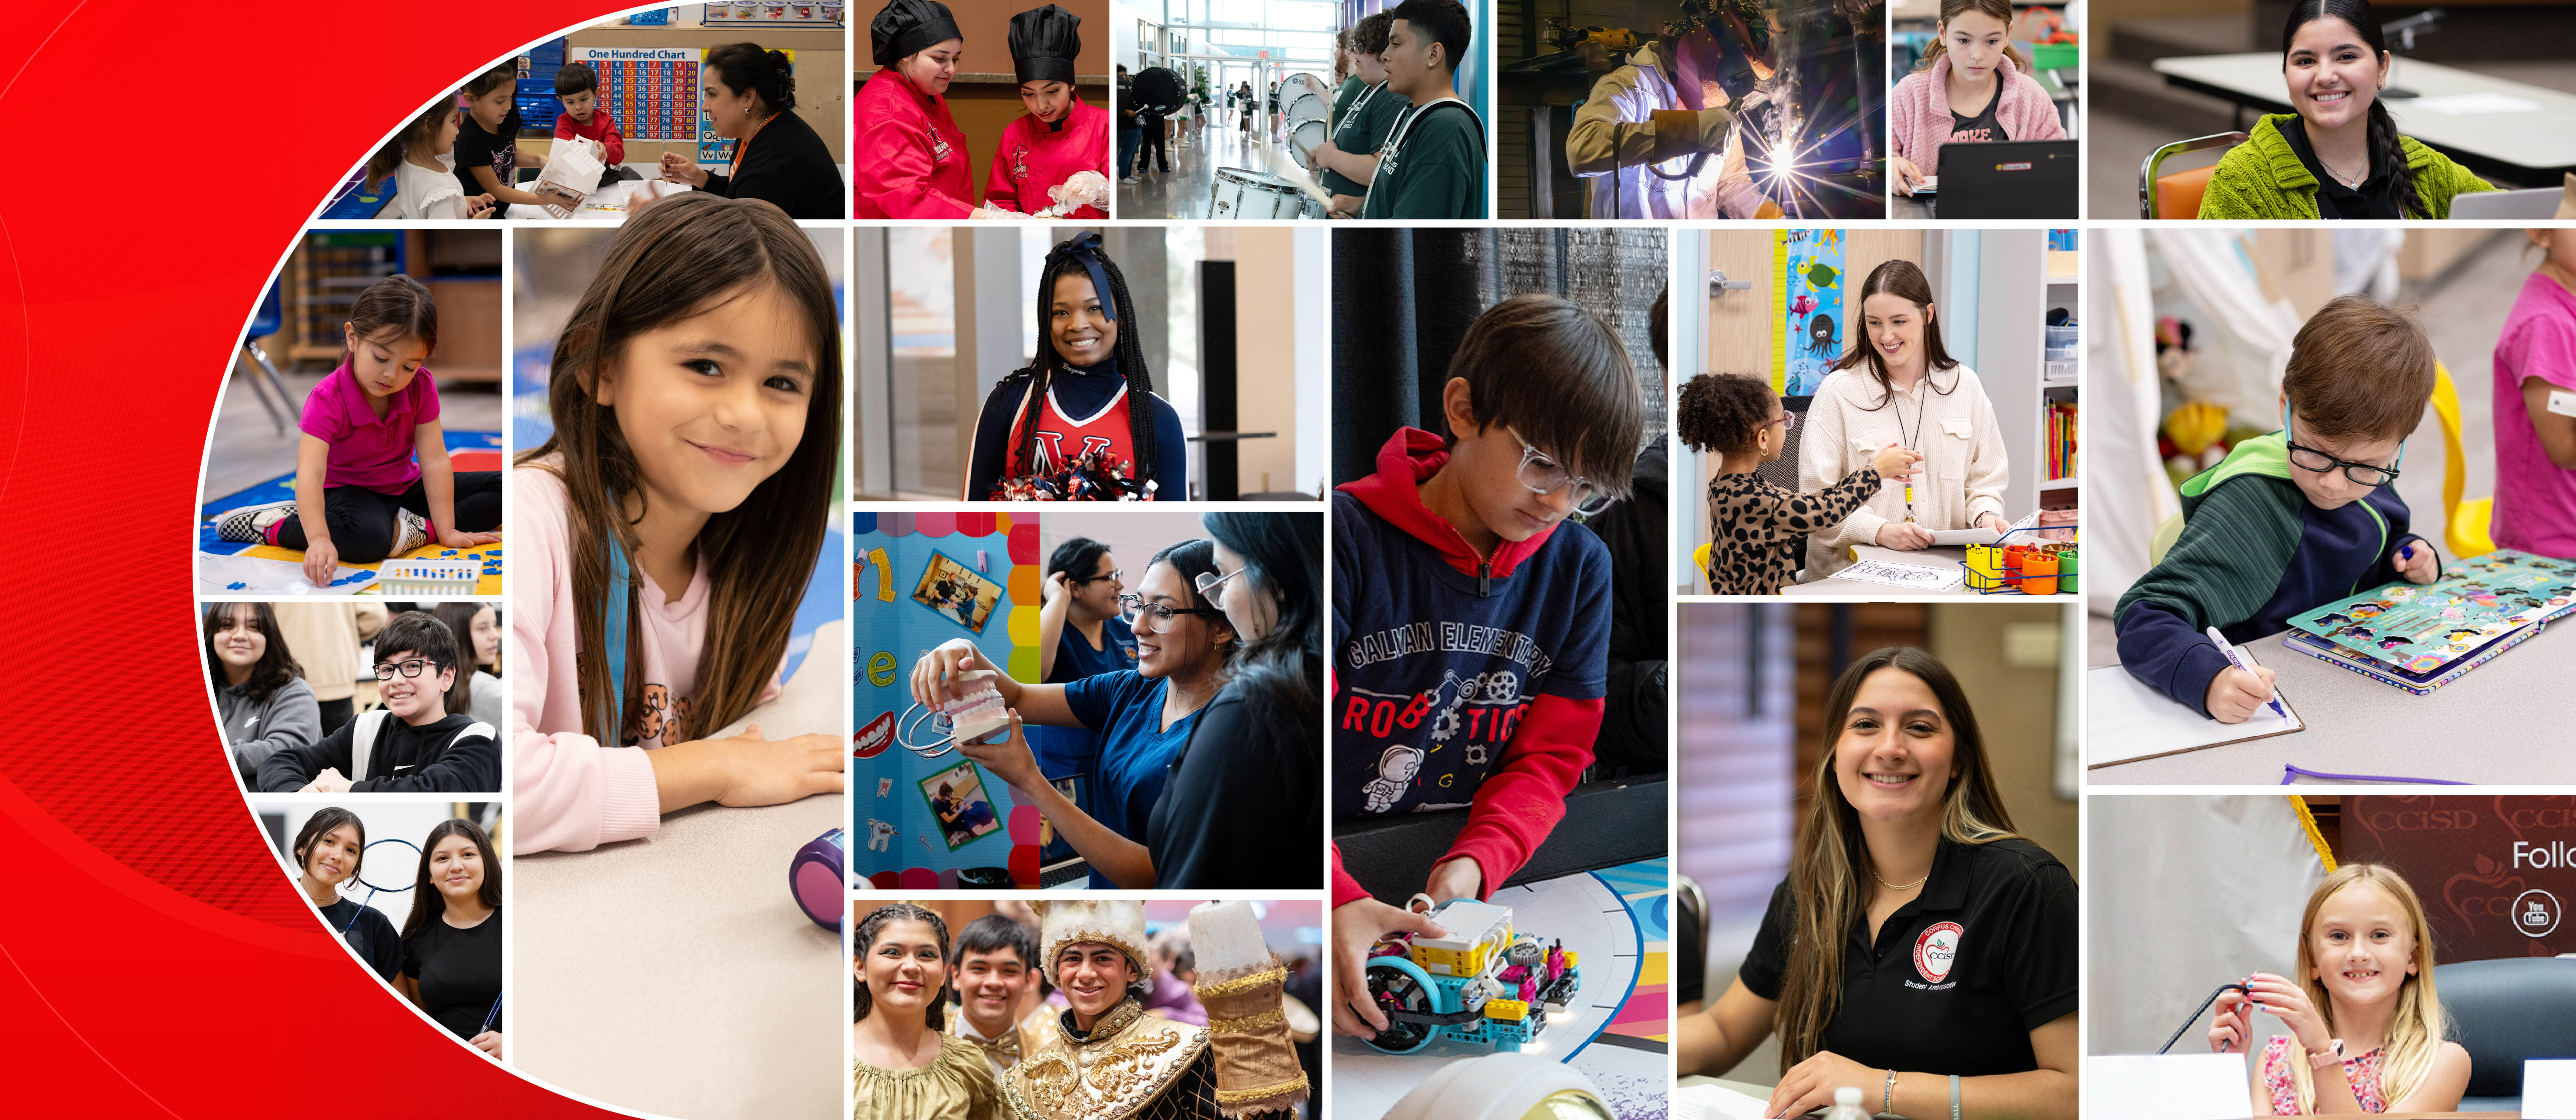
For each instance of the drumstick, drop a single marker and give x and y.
(1286, 168)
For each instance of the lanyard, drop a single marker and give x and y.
(734, 168)
(1923, 387)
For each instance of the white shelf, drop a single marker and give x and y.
(2060, 484)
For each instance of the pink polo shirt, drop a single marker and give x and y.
(365, 451)
(2535, 501)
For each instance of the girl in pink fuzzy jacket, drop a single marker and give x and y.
(1972, 89)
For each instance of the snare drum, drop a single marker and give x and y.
(1251, 195)
(1301, 96)
(1304, 135)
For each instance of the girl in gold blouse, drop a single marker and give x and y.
(903, 1067)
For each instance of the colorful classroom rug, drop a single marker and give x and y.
(467, 451)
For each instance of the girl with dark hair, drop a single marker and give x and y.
(1039, 164)
(421, 160)
(902, 1065)
(1974, 88)
(329, 851)
(1080, 635)
(487, 154)
(777, 157)
(1897, 385)
(451, 966)
(372, 477)
(2338, 155)
(1143, 715)
(1252, 771)
(477, 691)
(1906, 850)
(677, 512)
(1082, 421)
(909, 156)
(1757, 530)
(261, 700)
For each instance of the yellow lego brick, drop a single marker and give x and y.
(1511, 1009)
(1569, 958)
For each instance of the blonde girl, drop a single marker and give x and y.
(2365, 1027)
(677, 513)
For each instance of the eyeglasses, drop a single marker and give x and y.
(1543, 476)
(1112, 573)
(1787, 420)
(1134, 611)
(411, 668)
(2318, 462)
(1208, 582)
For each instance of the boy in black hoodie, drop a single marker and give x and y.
(412, 744)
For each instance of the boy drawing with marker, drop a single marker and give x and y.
(2292, 520)
(1471, 625)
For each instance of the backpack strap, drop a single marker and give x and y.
(362, 742)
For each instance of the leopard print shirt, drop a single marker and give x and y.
(1758, 531)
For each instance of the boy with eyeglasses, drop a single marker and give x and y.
(1471, 626)
(410, 745)
(2291, 520)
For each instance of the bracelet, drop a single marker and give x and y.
(1887, 1096)
(1954, 1097)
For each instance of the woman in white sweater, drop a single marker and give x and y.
(1897, 385)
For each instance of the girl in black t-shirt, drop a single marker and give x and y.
(452, 941)
(329, 849)
(487, 142)
(1919, 949)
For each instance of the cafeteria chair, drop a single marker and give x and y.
(263, 376)
(2177, 196)
(2464, 524)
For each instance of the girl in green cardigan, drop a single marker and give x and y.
(2340, 155)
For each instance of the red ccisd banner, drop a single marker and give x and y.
(2496, 873)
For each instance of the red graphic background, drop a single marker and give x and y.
(154, 961)
(2457, 852)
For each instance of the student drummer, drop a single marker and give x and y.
(1433, 164)
(1348, 158)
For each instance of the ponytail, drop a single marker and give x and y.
(2389, 150)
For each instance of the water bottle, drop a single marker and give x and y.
(1847, 1105)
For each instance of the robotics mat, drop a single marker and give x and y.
(1616, 925)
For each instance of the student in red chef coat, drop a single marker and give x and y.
(909, 159)
(1061, 135)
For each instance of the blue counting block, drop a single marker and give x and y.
(236, 587)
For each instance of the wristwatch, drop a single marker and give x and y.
(2330, 1056)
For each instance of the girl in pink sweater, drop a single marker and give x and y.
(1973, 88)
(676, 514)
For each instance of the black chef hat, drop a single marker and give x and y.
(1044, 42)
(906, 26)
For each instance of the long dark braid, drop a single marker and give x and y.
(2386, 147)
(1066, 260)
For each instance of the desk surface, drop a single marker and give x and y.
(674, 973)
(2540, 140)
(1933, 557)
(2502, 724)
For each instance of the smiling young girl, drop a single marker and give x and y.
(421, 159)
(451, 966)
(2366, 1029)
(675, 515)
(902, 1065)
(372, 478)
(1974, 88)
(1067, 427)
(910, 155)
(1061, 136)
(329, 851)
(261, 699)
(2339, 155)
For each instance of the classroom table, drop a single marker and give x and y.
(1927, 557)
(2504, 723)
(1907, 208)
(608, 204)
(2528, 149)
(675, 974)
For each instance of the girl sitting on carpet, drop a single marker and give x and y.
(372, 478)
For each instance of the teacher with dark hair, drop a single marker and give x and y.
(1919, 949)
(750, 97)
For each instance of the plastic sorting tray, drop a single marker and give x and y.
(1994, 577)
(428, 578)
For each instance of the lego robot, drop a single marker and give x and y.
(1481, 984)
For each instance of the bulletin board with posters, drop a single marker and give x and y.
(920, 580)
(2495, 874)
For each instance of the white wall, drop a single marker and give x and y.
(386, 865)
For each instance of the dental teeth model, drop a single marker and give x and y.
(977, 716)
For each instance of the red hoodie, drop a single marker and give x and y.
(602, 128)
(1457, 675)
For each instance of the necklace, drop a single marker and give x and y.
(1873, 873)
(1919, 405)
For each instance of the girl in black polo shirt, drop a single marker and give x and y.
(1919, 949)
(451, 966)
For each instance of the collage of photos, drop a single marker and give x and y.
(1392, 739)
